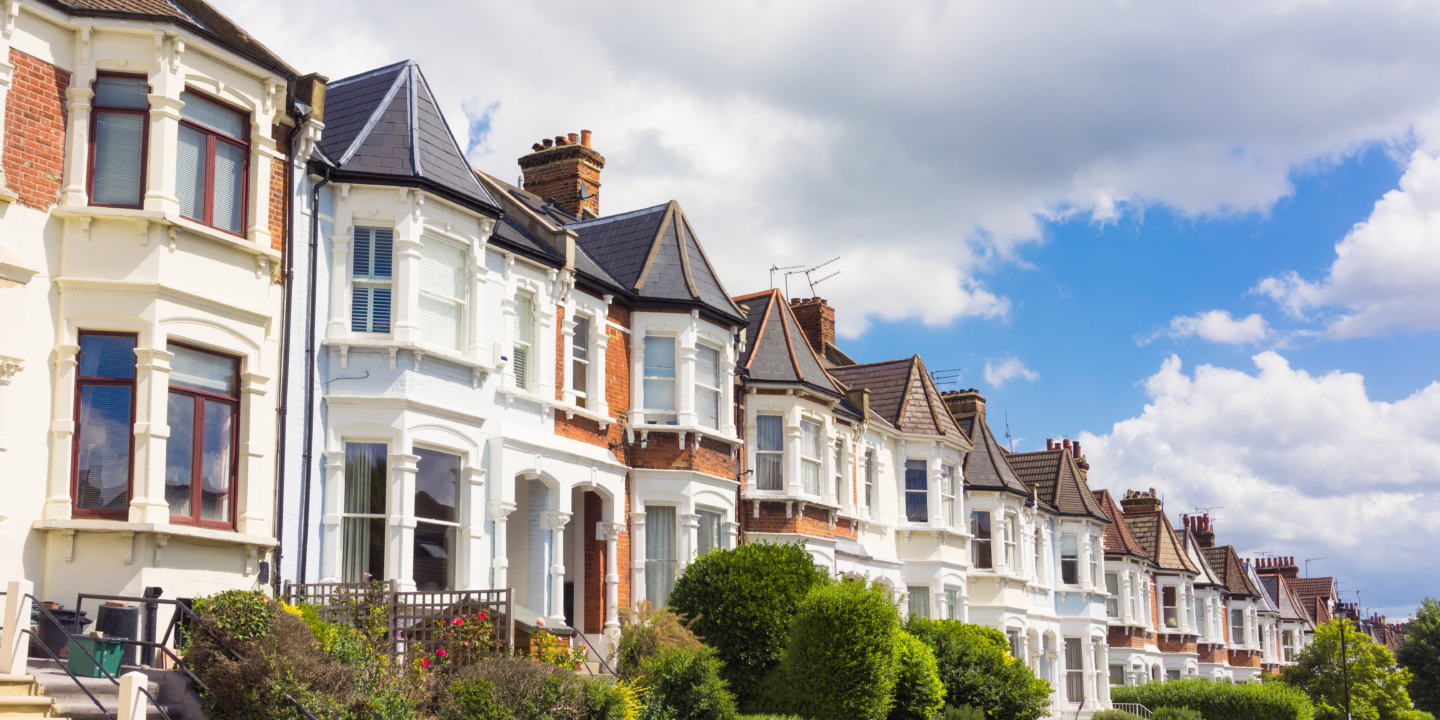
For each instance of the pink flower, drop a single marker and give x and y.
(540, 622)
(425, 662)
(483, 616)
(458, 621)
(440, 652)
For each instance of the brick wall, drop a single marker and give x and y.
(1244, 658)
(664, 452)
(1177, 644)
(1212, 653)
(279, 188)
(558, 172)
(35, 122)
(1154, 605)
(815, 521)
(594, 564)
(1120, 638)
(617, 385)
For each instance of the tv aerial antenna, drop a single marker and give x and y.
(1008, 441)
(1307, 565)
(776, 268)
(813, 282)
(945, 377)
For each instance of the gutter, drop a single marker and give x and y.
(284, 407)
(307, 469)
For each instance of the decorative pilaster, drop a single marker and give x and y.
(160, 192)
(611, 531)
(557, 520)
(8, 368)
(78, 102)
(331, 526)
(597, 389)
(472, 529)
(339, 325)
(637, 558)
(262, 153)
(507, 309)
(499, 511)
(405, 301)
(400, 545)
(254, 495)
(62, 433)
(637, 379)
(152, 394)
(478, 278)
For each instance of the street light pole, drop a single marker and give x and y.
(1345, 668)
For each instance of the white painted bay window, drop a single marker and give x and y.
(1074, 671)
(707, 386)
(947, 494)
(919, 605)
(202, 453)
(709, 536)
(118, 145)
(770, 452)
(211, 162)
(580, 361)
(1169, 609)
(660, 377)
(981, 556)
(437, 489)
(362, 521)
(1012, 557)
(810, 454)
(870, 471)
(659, 553)
(1070, 559)
(371, 280)
(1112, 602)
(522, 346)
(917, 491)
(442, 293)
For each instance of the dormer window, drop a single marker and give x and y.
(524, 336)
(117, 141)
(371, 275)
(660, 373)
(810, 456)
(580, 361)
(442, 293)
(211, 162)
(707, 386)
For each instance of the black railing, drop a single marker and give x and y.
(591, 647)
(65, 665)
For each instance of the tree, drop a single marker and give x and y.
(1420, 654)
(741, 602)
(1377, 686)
(978, 670)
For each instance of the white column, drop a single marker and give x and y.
(637, 378)
(507, 339)
(400, 545)
(77, 159)
(689, 537)
(405, 301)
(331, 526)
(262, 154)
(1102, 674)
(794, 438)
(62, 432)
(339, 324)
(476, 310)
(727, 386)
(599, 371)
(567, 355)
(611, 531)
(152, 395)
(255, 494)
(557, 520)
(499, 511)
(472, 529)
(1087, 659)
(543, 349)
(637, 558)
(14, 644)
(732, 532)
(932, 497)
(685, 382)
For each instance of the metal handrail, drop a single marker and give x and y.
(66, 665)
(596, 649)
(1134, 708)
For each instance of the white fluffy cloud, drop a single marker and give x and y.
(922, 143)
(1007, 369)
(1386, 274)
(1300, 465)
(1216, 326)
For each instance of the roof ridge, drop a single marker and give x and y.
(752, 296)
(877, 362)
(706, 258)
(655, 244)
(790, 344)
(374, 118)
(612, 218)
(754, 344)
(366, 74)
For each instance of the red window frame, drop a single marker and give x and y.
(198, 451)
(212, 137)
(80, 383)
(95, 111)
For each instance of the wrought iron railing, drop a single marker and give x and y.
(1134, 709)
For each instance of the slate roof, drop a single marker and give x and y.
(1118, 538)
(775, 347)
(384, 125)
(1229, 570)
(1193, 550)
(1153, 531)
(655, 254)
(1290, 606)
(1057, 482)
(902, 393)
(1268, 603)
(1315, 595)
(985, 466)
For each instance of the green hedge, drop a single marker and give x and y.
(918, 692)
(686, 684)
(741, 602)
(977, 669)
(1221, 700)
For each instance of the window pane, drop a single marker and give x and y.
(769, 472)
(122, 92)
(952, 604)
(810, 476)
(580, 344)
(190, 173)
(434, 557)
(103, 455)
(363, 554)
(440, 322)
(180, 454)
(915, 475)
(229, 187)
(917, 499)
(107, 356)
(919, 601)
(374, 250)
(218, 461)
(707, 366)
(201, 370)
(578, 377)
(442, 269)
(210, 114)
(707, 406)
(771, 431)
(810, 439)
(437, 481)
(710, 529)
(365, 465)
(659, 357)
(659, 394)
(118, 154)
(521, 357)
(659, 553)
(524, 320)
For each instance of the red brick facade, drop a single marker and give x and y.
(1184, 644)
(1121, 637)
(1245, 658)
(1214, 654)
(594, 564)
(35, 122)
(561, 171)
(279, 182)
(815, 521)
(617, 385)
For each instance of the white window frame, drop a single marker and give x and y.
(1170, 607)
(523, 373)
(916, 593)
(461, 302)
(812, 449)
(839, 471)
(780, 420)
(713, 390)
(1012, 550)
(1095, 554)
(871, 460)
(1112, 590)
(1066, 561)
(369, 280)
(383, 513)
(947, 494)
(952, 603)
(580, 368)
(651, 413)
(977, 542)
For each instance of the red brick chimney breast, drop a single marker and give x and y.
(566, 169)
(817, 321)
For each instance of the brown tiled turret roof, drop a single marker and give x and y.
(902, 392)
(1154, 533)
(1058, 482)
(1118, 538)
(985, 466)
(1228, 569)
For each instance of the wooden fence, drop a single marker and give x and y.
(414, 616)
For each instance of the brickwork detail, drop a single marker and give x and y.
(617, 387)
(35, 126)
(1212, 653)
(561, 171)
(817, 321)
(1119, 638)
(814, 522)
(594, 564)
(1177, 644)
(279, 189)
(1245, 658)
(664, 451)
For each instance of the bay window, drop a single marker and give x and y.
(1170, 614)
(707, 386)
(1288, 640)
(362, 520)
(1013, 636)
(1112, 601)
(1202, 620)
(659, 553)
(580, 361)
(1069, 560)
(919, 601)
(1040, 553)
(211, 162)
(118, 141)
(201, 454)
(947, 494)
(980, 550)
(1237, 628)
(810, 456)
(370, 272)
(437, 489)
(1011, 557)
(1117, 675)
(524, 336)
(442, 293)
(770, 452)
(105, 414)
(869, 481)
(709, 536)
(1095, 554)
(659, 374)
(1074, 671)
(917, 491)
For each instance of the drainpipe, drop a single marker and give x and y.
(283, 408)
(306, 471)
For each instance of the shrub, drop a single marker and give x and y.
(1221, 700)
(964, 712)
(1115, 715)
(686, 685)
(1376, 690)
(840, 662)
(977, 669)
(238, 614)
(1415, 715)
(529, 690)
(646, 632)
(472, 699)
(918, 692)
(742, 602)
(1174, 713)
(620, 700)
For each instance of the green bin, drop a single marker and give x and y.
(107, 652)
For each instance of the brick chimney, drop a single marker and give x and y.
(566, 169)
(1200, 525)
(1140, 502)
(817, 321)
(1283, 566)
(964, 402)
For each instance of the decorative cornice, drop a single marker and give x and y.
(401, 403)
(160, 291)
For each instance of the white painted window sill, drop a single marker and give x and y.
(154, 216)
(375, 341)
(200, 535)
(711, 433)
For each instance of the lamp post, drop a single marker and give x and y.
(1345, 668)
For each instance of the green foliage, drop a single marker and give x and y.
(1174, 713)
(472, 699)
(840, 662)
(1115, 715)
(977, 669)
(1377, 688)
(621, 700)
(528, 690)
(647, 631)
(918, 692)
(686, 685)
(240, 614)
(1221, 700)
(1415, 715)
(769, 717)
(964, 712)
(1420, 654)
(742, 602)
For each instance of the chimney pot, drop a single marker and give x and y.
(585, 138)
(574, 138)
(1078, 454)
(559, 139)
(547, 142)
(1067, 443)
(571, 176)
(1050, 445)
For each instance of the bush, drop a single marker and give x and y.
(964, 712)
(1415, 715)
(619, 700)
(1115, 715)
(977, 669)
(648, 631)
(686, 685)
(742, 602)
(472, 699)
(918, 692)
(526, 689)
(1174, 713)
(1221, 700)
(840, 662)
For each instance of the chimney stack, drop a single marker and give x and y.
(1283, 566)
(566, 169)
(817, 321)
(1141, 502)
(1203, 534)
(964, 402)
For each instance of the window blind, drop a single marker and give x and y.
(203, 371)
(210, 114)
(659, 373)
(442, 288)
(524, 329)
(228, 184)
(122, 92)
(119, 153)
(370, 268)
(659, 553)
(190, 173)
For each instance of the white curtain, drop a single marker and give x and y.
(659, 553)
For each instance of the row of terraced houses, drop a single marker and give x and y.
(267, 327)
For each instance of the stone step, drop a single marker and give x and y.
(18, 685)
(27, 706)
(76, 710)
